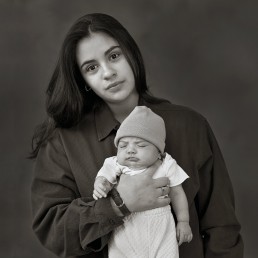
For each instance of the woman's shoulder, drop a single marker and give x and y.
(79, 130)
(169, 110)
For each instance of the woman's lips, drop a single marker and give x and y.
(114, 84)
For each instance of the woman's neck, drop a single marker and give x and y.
(122, 109)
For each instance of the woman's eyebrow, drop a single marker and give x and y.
(105, 53)
(87, 62)
(110, 49)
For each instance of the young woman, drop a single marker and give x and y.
(98, 81)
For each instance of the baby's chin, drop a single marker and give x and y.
(134, 165)
(136, 168)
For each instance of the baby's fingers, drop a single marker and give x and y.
(189, 237)
(95, 197)
(102, 190)
(179, 237)
(99, 194)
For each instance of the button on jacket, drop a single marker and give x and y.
(69, 222)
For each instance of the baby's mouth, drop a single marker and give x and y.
(132, 159)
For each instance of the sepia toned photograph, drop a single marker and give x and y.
(129, 128)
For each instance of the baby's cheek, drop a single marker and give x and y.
(120, 158)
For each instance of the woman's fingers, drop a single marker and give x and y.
(142, 192)
(162, 191)
(163, 201)
(161, 181)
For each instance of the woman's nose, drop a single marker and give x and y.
(108, 72)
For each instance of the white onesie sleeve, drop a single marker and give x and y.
(110, 170)
(174, 172)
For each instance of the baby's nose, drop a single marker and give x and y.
(131, 149)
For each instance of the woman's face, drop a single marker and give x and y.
(105, 68)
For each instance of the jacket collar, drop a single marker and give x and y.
(105, 121)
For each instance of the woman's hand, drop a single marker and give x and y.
(142, 192)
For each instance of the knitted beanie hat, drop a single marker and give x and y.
(145, 124)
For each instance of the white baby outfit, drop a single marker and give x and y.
(148, 234)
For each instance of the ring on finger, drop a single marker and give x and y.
(163, 190)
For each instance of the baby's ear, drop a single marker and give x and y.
(161, 155)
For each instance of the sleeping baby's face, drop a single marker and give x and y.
(136, 153)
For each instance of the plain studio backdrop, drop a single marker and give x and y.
(202, 54)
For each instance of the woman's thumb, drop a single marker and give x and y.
(153, 168)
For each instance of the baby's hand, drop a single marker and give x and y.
(183, 232)
(101, 187)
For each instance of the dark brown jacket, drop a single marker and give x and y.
(69, 222)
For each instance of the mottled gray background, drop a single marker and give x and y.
(202, 54)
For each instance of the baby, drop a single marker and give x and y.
(140, 142)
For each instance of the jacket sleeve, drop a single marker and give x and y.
(218, 223)
(66, 223)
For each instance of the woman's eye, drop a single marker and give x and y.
(114, 56)
(91, 68)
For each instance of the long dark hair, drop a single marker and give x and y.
(67, 101)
